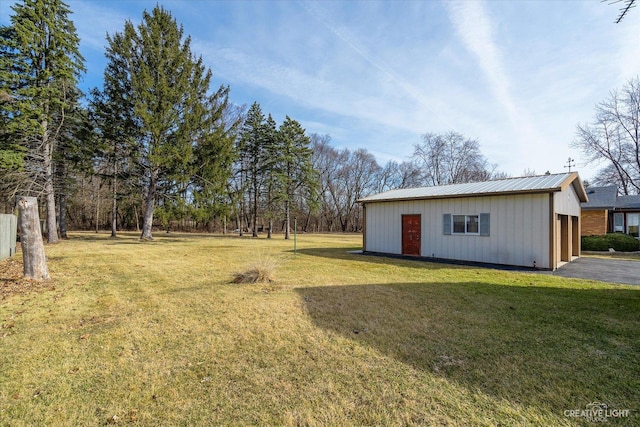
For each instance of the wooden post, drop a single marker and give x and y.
(33, 256)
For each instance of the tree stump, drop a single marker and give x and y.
(33, 256)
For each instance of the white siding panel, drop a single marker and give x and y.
(566, 202)
(519, 228)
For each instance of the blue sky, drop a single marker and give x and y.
(517, 75)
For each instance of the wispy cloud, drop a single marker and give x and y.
(342, 32)
(474, 26)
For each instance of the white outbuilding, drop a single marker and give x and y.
(529, 221)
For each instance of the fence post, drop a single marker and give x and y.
(8, 229)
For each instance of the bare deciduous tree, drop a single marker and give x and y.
(614, 138)
(450, 158)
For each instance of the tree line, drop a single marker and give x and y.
(158, 146)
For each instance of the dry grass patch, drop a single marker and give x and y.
(261, 270)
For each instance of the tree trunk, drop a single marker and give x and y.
(147, 221)
(306, 223)
(63, 215)
(287, 221)
(47, 164)
(97, 213)
(255, 209)
(62, 199)
(240, 218)
(33, 256)
(52, 226)
(270, 228)
(114, 202)
(135, 212)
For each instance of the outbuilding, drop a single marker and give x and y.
(529, 221)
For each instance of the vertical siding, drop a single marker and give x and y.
(519, 229)
(566, 202)
(8, 230)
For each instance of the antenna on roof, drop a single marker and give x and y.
(570, 163)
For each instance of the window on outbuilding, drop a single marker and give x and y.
(466, 224)
(459, 224)
(485, 224)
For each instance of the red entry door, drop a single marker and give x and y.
(411, 234)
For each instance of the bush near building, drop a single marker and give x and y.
(618, 241)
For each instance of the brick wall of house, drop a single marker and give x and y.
(594, 223)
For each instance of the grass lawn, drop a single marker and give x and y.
(156, 334)
(631, 256)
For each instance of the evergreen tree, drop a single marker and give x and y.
(271, 187)
(213, 157)
(73, 154)
(12, 67)
(40, 83)
(253, 157)
(294, 170)
(169, 91)
(112, 111)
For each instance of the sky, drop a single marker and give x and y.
(518, 76)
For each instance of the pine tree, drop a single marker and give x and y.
(112, 110)
(12, 66)
(253, 157)
(48, 64)
(169, 91)
(271, 171)
(213, 157)
(294, 170)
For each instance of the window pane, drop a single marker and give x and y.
(458, 224)
(633, 221)
(472, 224)
(618, 222)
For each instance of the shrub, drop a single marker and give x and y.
(618, 241)
(260, 271)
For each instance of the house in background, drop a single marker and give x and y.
(595, 212)
(529, 221)
(606, 212)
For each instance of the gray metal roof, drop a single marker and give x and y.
(530, 184)
(601, 197)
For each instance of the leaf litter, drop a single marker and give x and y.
(13, 282)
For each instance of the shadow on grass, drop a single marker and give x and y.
(408, 261)
(551, 348)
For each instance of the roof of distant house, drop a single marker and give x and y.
(628, 202)
(601, 197)
(528, 184)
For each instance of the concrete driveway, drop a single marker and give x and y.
(606, 270)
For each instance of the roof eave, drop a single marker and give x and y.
(458, 196)
(578, 186)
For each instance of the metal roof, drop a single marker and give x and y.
(530, 184)
(601, 197)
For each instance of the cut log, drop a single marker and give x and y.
(33, 256)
